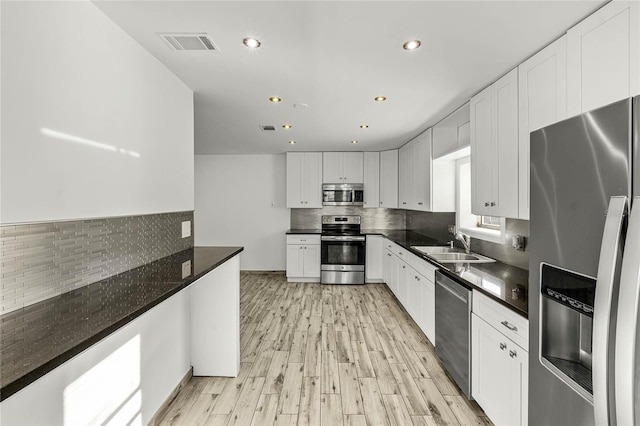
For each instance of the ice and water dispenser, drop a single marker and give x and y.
(566, 324)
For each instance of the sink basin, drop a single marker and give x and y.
(451, 255)
(459, 257)
(436, 249)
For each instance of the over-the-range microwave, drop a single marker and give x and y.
(342, 194)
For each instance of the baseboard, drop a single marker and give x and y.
(252, 272)
(160, 413)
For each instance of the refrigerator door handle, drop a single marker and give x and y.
(627, 368)
(604, 312)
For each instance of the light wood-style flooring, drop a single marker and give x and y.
(315, 354)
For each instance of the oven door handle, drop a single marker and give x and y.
(342, 238)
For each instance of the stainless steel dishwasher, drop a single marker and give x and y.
(453, 330)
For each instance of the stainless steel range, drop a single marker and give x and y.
(343, 250)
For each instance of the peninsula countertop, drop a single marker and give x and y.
(36, 339)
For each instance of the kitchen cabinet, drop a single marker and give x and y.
(387, 270)
(371, 180)
(343, 167)
(494, 148)
(405, 176)
(304, 179)
(452, 133)
(412, 280)
(374, 259)
(422, 172)
(603, 57)
(388, 179)
(303, 258)
(414, 180)
(499, 366)
(542, 100)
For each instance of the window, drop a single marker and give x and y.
(489, 222)
(489, 228)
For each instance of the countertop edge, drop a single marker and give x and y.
(12, 388)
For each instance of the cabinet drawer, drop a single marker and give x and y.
(303, 239)
(422, 266)
(509, 323)
(395, 249)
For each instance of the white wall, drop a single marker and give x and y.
(127, 375)
(240, 201)
(92, 124)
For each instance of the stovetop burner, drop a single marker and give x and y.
(341, 225)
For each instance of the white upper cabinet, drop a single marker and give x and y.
(414, 169)
(342, 167)
(304, 180)
(542, 99)
(388, 179)
(494, 148)
(603, 57)
(452, 133)
(405, 176)
(371, 179)
(422, 172)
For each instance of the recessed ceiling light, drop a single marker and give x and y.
(411, 45)
(354, 141)
(286, 126)
(275, 99)
(364, 126)
(380, 98)
(251, 42)
(292, 142)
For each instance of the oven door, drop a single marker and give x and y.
(342, 253)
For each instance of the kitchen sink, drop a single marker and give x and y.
(451, 255)
(436, 249)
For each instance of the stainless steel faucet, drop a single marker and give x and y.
(466, 241)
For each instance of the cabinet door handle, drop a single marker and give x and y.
(301, 202)
(503, 346)
(388, 254)
(509, 326)
(306, 202)
(513, 354)
(403, 266)
(486, 204)
(493, 204)
(380, 202)
(420, 203)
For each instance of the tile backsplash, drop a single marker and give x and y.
(42, 260)
(370, 218)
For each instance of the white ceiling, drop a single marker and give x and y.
(336, 56)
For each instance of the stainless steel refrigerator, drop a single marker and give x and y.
(584, 285)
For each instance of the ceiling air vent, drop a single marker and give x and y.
(188, 41)
(268, 128)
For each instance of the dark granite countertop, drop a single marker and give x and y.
(36, 339)
(504, 283)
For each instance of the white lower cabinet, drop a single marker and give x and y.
(411, 279)
(374, 259)
(499, 371)
(303, 258)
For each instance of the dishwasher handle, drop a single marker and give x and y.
(451, 289)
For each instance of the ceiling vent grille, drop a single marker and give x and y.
(188, 41)
(268, 128)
